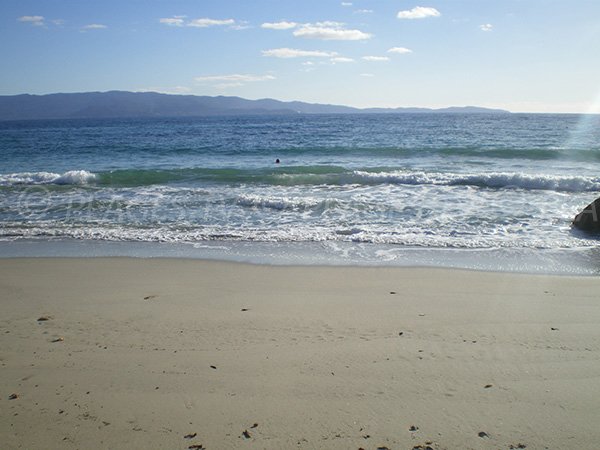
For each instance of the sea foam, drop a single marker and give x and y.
(75, 177)
(484, 180)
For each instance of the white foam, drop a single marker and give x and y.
(279, 203)
(491, 180)
(76, 177)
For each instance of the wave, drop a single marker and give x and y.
(284, 203)
(301, 176)
(485, 180)
(74, 177)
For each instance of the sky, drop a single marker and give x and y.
(520, 55)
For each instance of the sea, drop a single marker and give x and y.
(475, 191)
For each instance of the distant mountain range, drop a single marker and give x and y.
(115, 104)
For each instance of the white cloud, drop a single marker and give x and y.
(341, 59)
(376, 58)
(346, 3)
(242, 25)
(175, 21)
(400, 50)
(294, 53)
(205, 22)
(363, 11)
(367, 75)
(235, 78)
(283, 25)
(330, 31)
(486, 27)
(37, 21)
(308, 63)
(419, 12)
(58, 22)
(94, 26)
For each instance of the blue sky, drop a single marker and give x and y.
(522, 55)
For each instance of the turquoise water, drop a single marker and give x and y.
(428, 189)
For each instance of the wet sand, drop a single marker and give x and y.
(167, 353)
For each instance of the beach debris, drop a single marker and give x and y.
(426, 446)
(246, 434)
(196, 447)
(13, 396)
(519, 445)
(44, 318)
(401, 333)
(245, 309)
(190, 436)
(421, 315)
(483, 435)
(413, 428)
(150, 297)
(587, 219)
(367, 436)
(393, 292)
(553, 329)
(383, 448)
(58, 339)
(213, 367)
(487, 386)
(254, 425)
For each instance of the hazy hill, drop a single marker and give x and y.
(115, 104)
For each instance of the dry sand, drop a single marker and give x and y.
(140, 353)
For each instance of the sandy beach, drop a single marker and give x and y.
(117, 353)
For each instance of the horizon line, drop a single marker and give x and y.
(187, 94)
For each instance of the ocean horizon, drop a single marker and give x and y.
(481, 191)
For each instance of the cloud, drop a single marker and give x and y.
(175, 21)
(58, 22)
(37, 21)
(400, 50)
(376, 58)
(363, 11)
(367, 75)
(294, 53)
(205, 22)
(330, 31)
(346, 3)
(341, 59)
(283, 25)
(94, 26)
(419, 12)
(235, 78)
(486, 27)
(242, 25)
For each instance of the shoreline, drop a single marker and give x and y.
(143, 352)
(569, 262)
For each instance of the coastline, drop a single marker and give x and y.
(557, 261)
(143, 352)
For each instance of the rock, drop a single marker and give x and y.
(588, 220)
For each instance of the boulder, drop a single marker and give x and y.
(589, 218)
